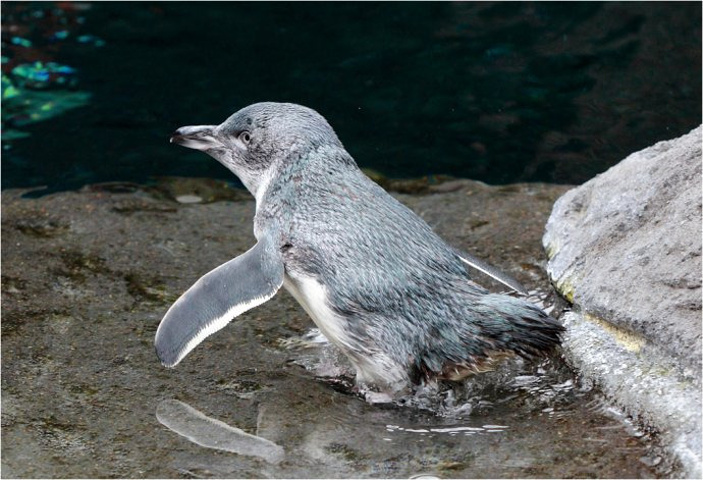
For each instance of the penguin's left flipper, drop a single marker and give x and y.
(492, 272)
(219, 296)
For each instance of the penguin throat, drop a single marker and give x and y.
(260, 186)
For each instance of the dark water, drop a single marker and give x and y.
(499, 92)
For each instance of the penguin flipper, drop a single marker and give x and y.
(219, 296)
(492, 272)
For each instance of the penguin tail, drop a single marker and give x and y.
(493, 328)
(523, 328)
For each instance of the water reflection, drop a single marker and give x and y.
(464, 430)
(211, 433)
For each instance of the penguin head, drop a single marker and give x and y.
(260, 137)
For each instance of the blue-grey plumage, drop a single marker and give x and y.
(374, 277)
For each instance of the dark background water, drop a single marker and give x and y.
(499, 92)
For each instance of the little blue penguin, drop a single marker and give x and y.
(396, 299)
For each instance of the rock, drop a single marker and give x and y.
(625, 250)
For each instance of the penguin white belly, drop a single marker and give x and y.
(312, 296)
(371, 366)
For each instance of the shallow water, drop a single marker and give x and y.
(524, 421)
(520, 420)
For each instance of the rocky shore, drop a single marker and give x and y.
(87, 276)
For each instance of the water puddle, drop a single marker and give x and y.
(521, 420)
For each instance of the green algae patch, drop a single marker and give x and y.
(566, 289)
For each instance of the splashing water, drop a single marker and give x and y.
(542, 386)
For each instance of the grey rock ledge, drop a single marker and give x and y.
(625, 250)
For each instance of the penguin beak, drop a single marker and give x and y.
(198, 137)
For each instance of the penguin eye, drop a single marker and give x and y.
(245, 137)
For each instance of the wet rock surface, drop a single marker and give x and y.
(625, 249)
(88, 275)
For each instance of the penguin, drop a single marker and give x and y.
(393, 296)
